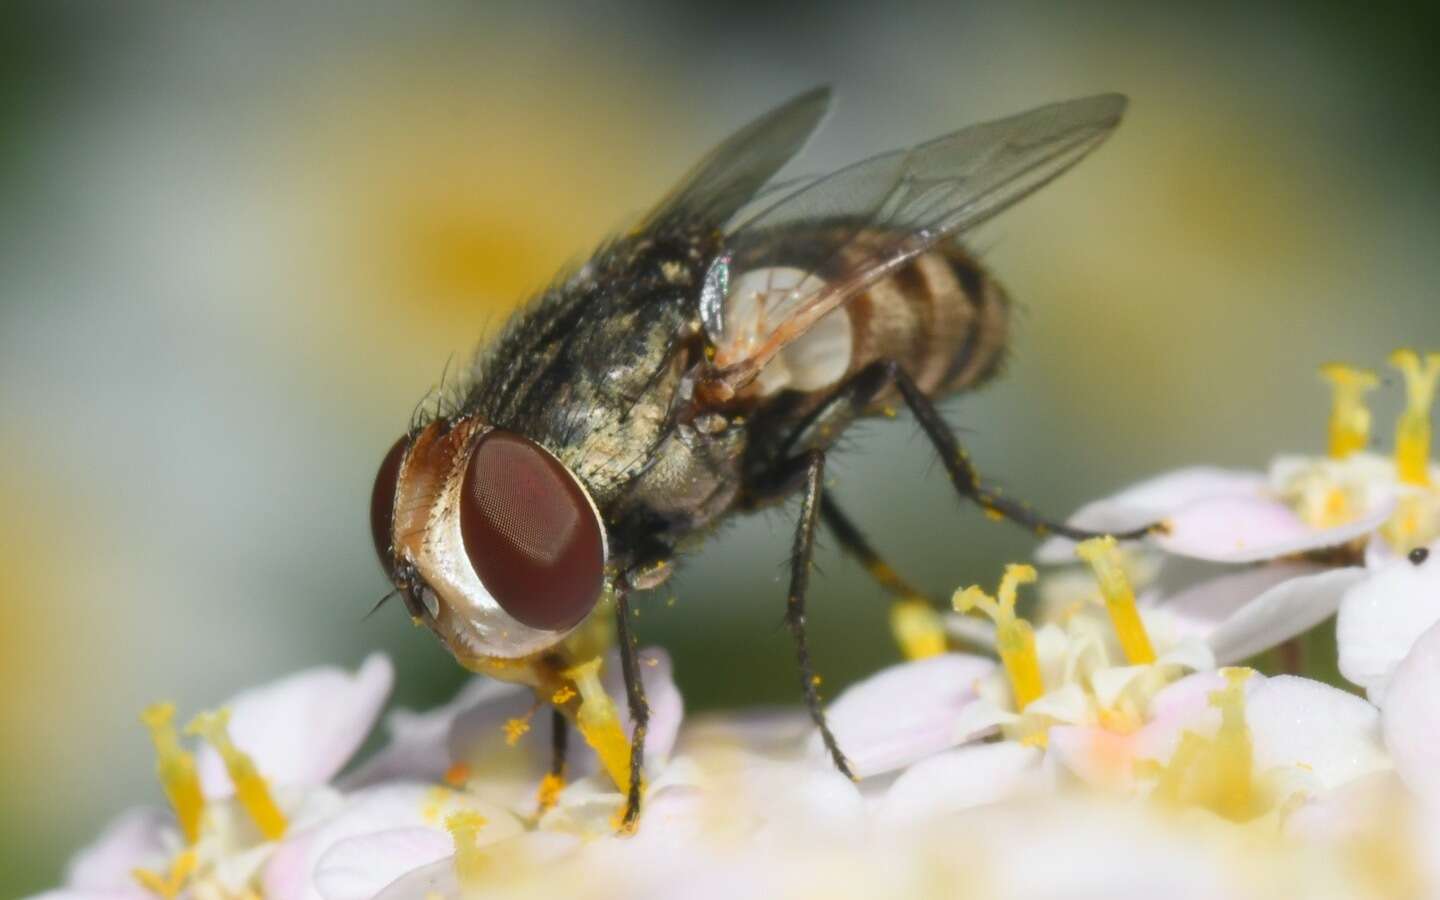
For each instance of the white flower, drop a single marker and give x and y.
(302, 728)
(1383, 615)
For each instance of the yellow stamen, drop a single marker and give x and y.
(1014, 638)
(1412, 434)
(175, 767)
(1416, 522)
(470, 861)
(1349, 417)
(600, 725)
(250, 787)
(918, 628)
(1234, 752)
(549, 792)
(1104, 558)
(563, 696)
(169, 885)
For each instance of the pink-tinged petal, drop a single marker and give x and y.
(904, 713)
(419, 746)
(1094, 755)
(136, 838)
(1382, 617)
(301, 730)
(358, 868)
(1150, 501)
(1253, 529)
(1332, 735)
(956, 780)
(1412, 717)
(1290, 608)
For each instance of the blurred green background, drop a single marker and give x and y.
(239, 243)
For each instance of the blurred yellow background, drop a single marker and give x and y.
(240, 244)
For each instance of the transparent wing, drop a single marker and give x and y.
(881, 213)
(734, 172)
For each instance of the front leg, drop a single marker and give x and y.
(795, 606)
(639, 709)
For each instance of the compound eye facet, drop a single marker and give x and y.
(531, 532)
(382, 506)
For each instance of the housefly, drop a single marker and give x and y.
(702, 365)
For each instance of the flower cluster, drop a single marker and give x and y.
(1111, 743)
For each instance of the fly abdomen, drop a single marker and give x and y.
(941, 316)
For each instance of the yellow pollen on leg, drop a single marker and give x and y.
(1412, 433)
(1014, 638)
(250, 787)
(917, 627)
(470, 861)
(1349, 417)
(175, 767)
(517, 728)
(599, 724)
(1103, 556)
(548, 793)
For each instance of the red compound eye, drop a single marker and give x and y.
(531, 533)
(382, 505)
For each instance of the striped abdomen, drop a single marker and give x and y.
(942, 317)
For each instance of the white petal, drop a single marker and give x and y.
(1412, 717)
(1332, 735)
(301, 730)
(1280, 613)
(134, 839)
(358, 868)
(904, 713)
(1150, 501)
(374, 810)
(1251, 529)
(1066, 703)
(419, 747)
(956, 780)
(1200, 608)
(1381, 618)
(436, 881)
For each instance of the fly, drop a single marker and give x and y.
(700, 366)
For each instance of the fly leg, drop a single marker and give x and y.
(967, 480)
(639, 709)
(795, 604)
(914, 617)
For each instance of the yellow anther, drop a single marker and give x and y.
(1014, 638)
(250, 787)
(599, 724)
(470, 862)
(169, 885)
(918, 628)
(1104, 558)
(562, 696)
(549, 792)
(175, 766)
(515, 729)
(1349, 417)
(1412, 434)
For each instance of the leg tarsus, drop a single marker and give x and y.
(639, 710)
